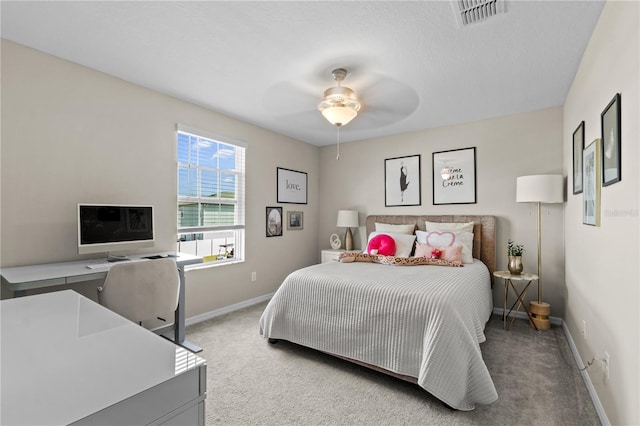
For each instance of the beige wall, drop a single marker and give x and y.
(71, 134)
(506, 148)
(602, 262)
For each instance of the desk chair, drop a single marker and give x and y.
(142, 291)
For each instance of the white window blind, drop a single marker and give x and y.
(211, 195)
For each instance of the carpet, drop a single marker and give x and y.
(252, 382)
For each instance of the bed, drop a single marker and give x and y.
(422, 324)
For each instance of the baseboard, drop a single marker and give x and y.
(227, 309)
(587, 380)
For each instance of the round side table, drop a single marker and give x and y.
(511, 280)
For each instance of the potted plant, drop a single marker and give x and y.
(514, 251)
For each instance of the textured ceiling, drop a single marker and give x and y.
(268, 63)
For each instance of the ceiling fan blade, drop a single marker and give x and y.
(286, 98)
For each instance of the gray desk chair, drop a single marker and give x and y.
(142, 291)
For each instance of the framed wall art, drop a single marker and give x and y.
(611, 143)
(402, 181)
(591, 184)
(294, 220)
(454, 176)
(578, 147)
(292, 186)
(274, 221)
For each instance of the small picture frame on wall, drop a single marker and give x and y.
(591, 184)
(402, 181)
(274, 221)
(454, 176)
(578, 147)
(294, 220)
(611, 143)
(292, 186)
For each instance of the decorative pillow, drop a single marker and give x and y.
(452, 253)
(449, 226)
(399, 229)
(382, 244)
(404, 242)
(449, 238)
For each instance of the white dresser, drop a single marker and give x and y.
(67, 360)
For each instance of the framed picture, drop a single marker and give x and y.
(402, 181)
(591, 184)
(292, 186)
(274, 221)
(578, 147)
(454, 176)
(294, 220)
(611, 143)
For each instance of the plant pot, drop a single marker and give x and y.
(515, 265)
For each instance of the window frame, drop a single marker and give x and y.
(239, 225)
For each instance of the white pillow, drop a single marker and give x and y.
(449, 226)
(449, 238)
(400, 229)
(404, 242)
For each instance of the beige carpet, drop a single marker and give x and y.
(251, 382)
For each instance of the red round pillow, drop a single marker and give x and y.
(383, 243)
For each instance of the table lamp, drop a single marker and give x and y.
(347, 219)
(540, 189)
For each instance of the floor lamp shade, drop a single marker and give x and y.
(348, 219)
(540, 189)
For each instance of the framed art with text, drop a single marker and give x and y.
(274, 221)
(402, 181)
(578, 146)
(591, 184)
(454, 176)
(292, 186)
(611, 143)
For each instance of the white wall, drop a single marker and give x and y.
(506, 147)
(602, 262)
(71, 134)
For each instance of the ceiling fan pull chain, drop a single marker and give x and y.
(338, 154)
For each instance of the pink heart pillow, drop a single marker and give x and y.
(383, 243)
(441, 239)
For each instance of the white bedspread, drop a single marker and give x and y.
(421, 321)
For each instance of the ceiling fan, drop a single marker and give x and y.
(372, 101)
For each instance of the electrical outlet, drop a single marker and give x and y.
(253, 276)
(584, 330)
(606, 365)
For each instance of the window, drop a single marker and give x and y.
(211, 176)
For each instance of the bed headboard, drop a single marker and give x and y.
(484, 231)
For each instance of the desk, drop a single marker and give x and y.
(67, 360)
(22, 278)
(509, 279)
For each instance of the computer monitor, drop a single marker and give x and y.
(104, 228)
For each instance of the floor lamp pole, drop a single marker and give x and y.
(540, 310)
(539, 253)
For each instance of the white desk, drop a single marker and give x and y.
(67, 360)
(22, 278)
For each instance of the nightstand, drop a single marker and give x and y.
(330, 255)
(511, 280)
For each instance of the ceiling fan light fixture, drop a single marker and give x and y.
(340, 104)
(339, 115)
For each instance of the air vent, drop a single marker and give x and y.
(473, 11)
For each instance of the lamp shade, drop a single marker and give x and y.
(339, 115)
(347, 218)
(540, 189)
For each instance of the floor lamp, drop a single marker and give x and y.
(540, 189)
(348, 219)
